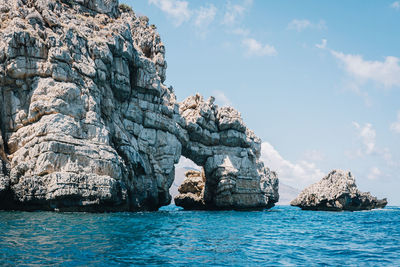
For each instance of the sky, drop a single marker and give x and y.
(317, 81)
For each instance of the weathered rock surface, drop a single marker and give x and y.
(229, 152)
(87, 123)
(191, 191)
(335, 192)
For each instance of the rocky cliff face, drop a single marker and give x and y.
(87, 123)
(337, 191)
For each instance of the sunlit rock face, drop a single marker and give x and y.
(109, 7)
(229, 152)
(87, 123)
(191, 191)
(335, 192)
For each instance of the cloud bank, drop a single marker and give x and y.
(385, 73)
(176, 10)
(300, 174)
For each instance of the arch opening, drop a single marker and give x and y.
(188, 187)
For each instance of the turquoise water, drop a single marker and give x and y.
(280, 236)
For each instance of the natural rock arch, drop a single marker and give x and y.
(87, 123)
(229, 153)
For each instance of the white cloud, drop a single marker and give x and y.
(374, 173)
(367, 134)
(395, 5)
(205, 15)
(300, 174)
(221, 98)
(253, 47)
(386, 73)
(303, 24)
(177, 10)
(395, 126)
(299, 25)
(235, 12)
(322, 45)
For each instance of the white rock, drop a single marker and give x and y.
(337, 191)
(89, 125)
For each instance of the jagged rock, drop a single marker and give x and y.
(335, 192)
(109, 7)
(191, 191)
(229, 152)
(88, 124)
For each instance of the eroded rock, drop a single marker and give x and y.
(229, 152)
(109, 7)
(87, 123)
(335, 192)
(191, 191)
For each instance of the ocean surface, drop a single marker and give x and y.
(280, 236)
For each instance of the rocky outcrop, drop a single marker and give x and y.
(109, 7)
(229, 152)
(336, 192)
(191, 191)
(88, 125)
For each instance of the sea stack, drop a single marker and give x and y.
(87, 123)
(336, 192)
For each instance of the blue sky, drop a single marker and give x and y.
(318, 81)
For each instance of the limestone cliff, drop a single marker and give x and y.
(335, 192)
(87, 123)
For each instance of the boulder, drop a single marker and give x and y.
(336, 192)
(191, 191)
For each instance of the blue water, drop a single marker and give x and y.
(280, 236)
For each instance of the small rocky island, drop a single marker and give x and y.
(87, 123)
(337, 192)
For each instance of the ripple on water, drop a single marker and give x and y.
(281, 236)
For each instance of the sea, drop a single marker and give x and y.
(281, 236)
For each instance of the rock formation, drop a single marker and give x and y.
(87, 123)
(336, 192)
(229, 152)
(192, 191)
